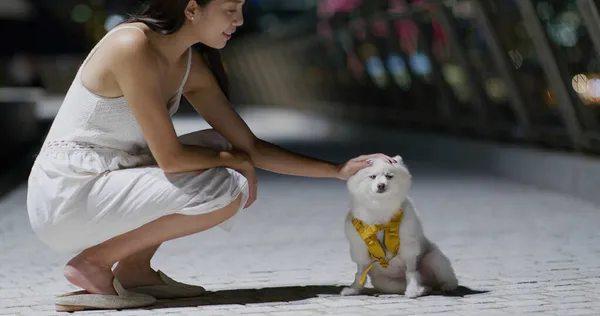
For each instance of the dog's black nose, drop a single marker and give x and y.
(381, 186)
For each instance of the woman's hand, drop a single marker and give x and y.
(244, 165)
(352, 166)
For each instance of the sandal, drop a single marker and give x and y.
(170, 290)
(83, 300)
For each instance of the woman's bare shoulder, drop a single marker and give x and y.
(130, 46)
(122, 52)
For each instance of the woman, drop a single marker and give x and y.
(113, 181)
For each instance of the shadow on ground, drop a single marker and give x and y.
(279, 295)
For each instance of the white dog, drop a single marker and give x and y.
(378, 196)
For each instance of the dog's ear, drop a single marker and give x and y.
(398, 158)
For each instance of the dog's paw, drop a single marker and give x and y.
(350, 291)
(449, 287)
(414, 291)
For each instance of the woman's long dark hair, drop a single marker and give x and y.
(167, 17)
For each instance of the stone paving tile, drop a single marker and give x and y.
(515, 248)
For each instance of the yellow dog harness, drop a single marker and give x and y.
(391, 240)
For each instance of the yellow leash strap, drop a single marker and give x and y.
(391, 240)
(392, 237)
(363, 277)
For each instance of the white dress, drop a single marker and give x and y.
(95, 177)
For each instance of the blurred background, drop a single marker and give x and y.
(514, 71)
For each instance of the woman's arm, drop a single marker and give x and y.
(273, 158)
(134, 67)
(203, 92)
(218, 112)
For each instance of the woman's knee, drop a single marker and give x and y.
(232, 208)
(221, 215)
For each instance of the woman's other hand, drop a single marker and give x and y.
(244, 165)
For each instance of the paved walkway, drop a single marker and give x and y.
(517, 250)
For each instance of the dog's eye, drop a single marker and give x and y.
(373, 176)
(389, 176)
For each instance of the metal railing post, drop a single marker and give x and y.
(591, 20)
(504, 67)
(553, 74)
(480, 101)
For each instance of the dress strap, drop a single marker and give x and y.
(187, 72)
(105, 36)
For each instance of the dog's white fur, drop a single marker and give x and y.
(419, 266)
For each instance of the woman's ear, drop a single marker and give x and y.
(190, 10)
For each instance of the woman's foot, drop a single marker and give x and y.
(131, 276)
(91, 276)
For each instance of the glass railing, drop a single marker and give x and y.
(517, 70)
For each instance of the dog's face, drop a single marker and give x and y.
(381, 180)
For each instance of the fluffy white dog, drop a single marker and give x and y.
(381, 211)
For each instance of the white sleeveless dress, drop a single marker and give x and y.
(95, 177)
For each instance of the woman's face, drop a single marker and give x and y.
(215, 22)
